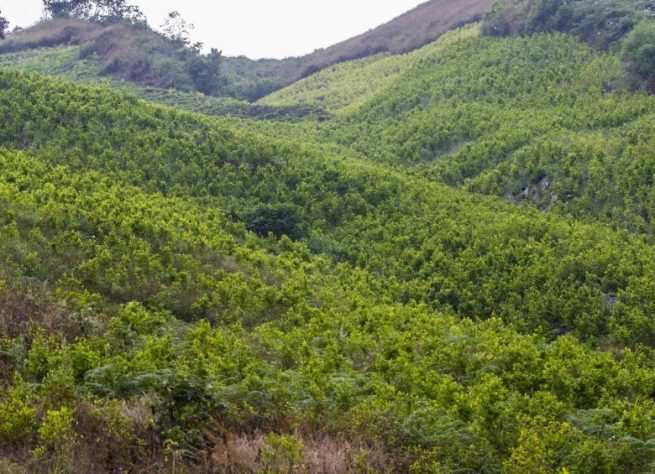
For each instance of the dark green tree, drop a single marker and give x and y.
(277, 219)
(97, 10)
(4, 24)
(639, 53)
(205, 71)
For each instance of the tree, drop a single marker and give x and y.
(118, 10)
(639, 53)
(97, 10)
(4, 24)
(205, 71)
(67, 8)
(176, 28)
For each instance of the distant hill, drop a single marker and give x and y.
(410, 31)
(124, 50)
(137, 54)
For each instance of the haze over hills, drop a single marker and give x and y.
(445, 264)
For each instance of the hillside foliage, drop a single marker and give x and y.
(450, 114)
(604, 24)
(453, 273)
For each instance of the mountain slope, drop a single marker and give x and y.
(410, 31)
(544, 121)
(139, 55)
(347, 85)
(349, 210)
(157, 322)
(405, 33)
(186, 293)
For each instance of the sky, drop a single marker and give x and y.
(255, 28)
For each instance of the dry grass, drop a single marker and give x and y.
(241, 454)
(49, 33)
(21, 311)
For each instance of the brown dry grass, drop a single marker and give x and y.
(22, 310)
(410, 31)
(232, 453)
(49, 33)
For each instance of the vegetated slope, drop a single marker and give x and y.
(64, 62)
(136, 53)
(543, 120)
(163, 336)
(626, 26)
(409, 233)
(345, 86)
(410, 31)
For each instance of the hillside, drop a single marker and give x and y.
(135, 53)
(410, 31)
(405, 33)
(544, 121)
(159, 294)
(349, 84)
(447, 266)
(65, 62)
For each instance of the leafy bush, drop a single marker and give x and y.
(282, 453)
(639, 51)
(17, 414)
(278, 219)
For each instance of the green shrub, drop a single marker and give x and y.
(282, 454)
(17, 414)
(639, 52)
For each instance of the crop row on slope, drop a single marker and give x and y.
(142, 332)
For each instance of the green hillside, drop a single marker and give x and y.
(452, 270)
(544, 121)
(143, 287)
(64, 62)
(349, 84)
